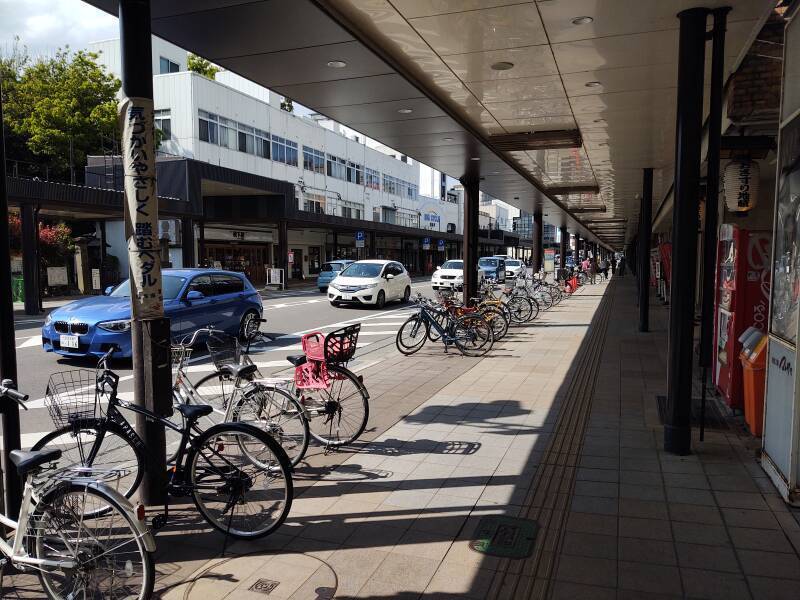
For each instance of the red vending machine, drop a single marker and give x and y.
(743, 278)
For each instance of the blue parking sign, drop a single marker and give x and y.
(441, 245)
(426, 243)
(360, 237)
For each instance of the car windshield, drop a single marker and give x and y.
(363, 270)
(328, 267)
(171, 284)
(453, 264)
(488, 262)
(512, 263)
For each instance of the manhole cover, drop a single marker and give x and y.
(264, 586)
(507, 537)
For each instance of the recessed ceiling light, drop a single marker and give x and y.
(582, 20)
(447, 139)
(405, 111)
(592, 84)
(475, 158)
(337, 64)
(503, 65)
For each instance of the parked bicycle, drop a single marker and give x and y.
(237, 475)
(81, 537)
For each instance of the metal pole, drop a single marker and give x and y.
(471, 205)
(9, 411)
(688, 132)
(30, 263)
(150, 330)
(538, 241)
(645, 230)
(283, 248)
(576, 253)
(563, 249)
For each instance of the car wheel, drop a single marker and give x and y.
(248, 325)
(406, 294)
(323, 290)
(381, 301)
(334, 304)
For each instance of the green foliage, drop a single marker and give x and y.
(287, 104)
(200, 65)
(57, 101)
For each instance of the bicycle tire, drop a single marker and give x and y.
(295, 445)
(206, 477)
(441, 319)
(497, 319)
(356, 396)
(62, 522)
(134, 461)
(416, 324)
(521, 309)
(465, 341)
(217, 390)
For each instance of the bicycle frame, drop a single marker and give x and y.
(444, 332)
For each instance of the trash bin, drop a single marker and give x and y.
(754, 363)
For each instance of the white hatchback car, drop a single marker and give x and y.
(514, 267)
(450, 276)
(374, 282)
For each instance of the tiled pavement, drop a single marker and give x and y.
(558, 425)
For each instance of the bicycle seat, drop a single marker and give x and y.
(297, 359)
(27, 461)
(192, 412)
(239, 371)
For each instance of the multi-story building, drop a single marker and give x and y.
(232, 123)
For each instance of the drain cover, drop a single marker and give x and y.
(507, 537)
(264, 586)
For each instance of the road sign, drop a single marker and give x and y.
(426, 243)
(360, 237)
(291, 257)
(441, 245)
(549, 260)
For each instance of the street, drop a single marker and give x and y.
(290, 314)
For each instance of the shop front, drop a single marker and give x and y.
(241, 250)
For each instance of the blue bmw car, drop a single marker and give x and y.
(193, 298)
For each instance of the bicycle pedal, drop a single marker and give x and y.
(158, 522)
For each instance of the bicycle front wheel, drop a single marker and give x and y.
(277, 412)
(473, 336)
(110, 556)
(241, 480)
(497, 319)
(338, 414)
(216, 390)
(412, 335)
(521, 309)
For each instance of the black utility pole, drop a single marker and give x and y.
(712, 203)
(9, 411)
(471, 184)
(577, 252)
(150, 330)
(645, 228)
(688, 134)
(30, 257)
(564, 247)
(538, 242)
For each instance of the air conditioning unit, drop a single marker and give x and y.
(451, 228)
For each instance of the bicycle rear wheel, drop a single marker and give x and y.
(241, 480)
(110, 553)
(412, 335)
(275, 411)
(338, 414)
(216, 390)
(497, 319)
(521, 309)
(473, 336)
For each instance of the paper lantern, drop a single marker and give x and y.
(741, 185)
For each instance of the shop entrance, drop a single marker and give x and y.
(242, 258)
(314, 260)
(297, 266)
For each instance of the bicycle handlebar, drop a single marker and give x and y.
(185, 344)
(8, 390)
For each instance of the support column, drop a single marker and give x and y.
(470, 251)
(373, 250)
(645, 229)
(9, 411)
(201, 242)
(150, 330)
(688, 133)
(538, 242)
(335, 246)
(576, 253)
(283, 249)
(30, 259)
(564, 247)
(187, 243)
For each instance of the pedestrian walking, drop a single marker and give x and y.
(604, 268)
(621, 266)
(592, 270)
(613, 265)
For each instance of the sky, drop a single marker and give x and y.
(46, 25)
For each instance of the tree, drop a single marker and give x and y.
(61, 105)
(287, 104)
(198, 64)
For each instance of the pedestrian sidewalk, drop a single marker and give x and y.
(557, 433)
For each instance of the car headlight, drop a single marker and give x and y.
(120, 326)
(48, 319)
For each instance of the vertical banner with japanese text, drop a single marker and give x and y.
(141, 206)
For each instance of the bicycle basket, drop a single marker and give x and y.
(340, 345)
(71, 395)
(180, 354)
(224, 349)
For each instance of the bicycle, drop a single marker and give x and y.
(494, 313)
(470, 333)
(108, 555)
(226, 468)
(332, 399)
(236, 397)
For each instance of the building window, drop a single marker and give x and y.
(350, 210)
(262, 143)
(246, 139)
(167, 66)
(227, 133)
(208, 127)
(163, 122)
(336, 167)
(372, 179)
(313, 160)
(314, 203)
(284, 151)
(355, 173)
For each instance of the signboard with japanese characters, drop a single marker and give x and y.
(741, 185)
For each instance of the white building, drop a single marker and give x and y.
(234, 123)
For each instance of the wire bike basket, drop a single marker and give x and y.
(71, 396)
(340, 345)
(224, 349)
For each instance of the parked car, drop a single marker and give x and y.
(451, 276)
(493, 268)
(373, 282)
(514, 267)
(329, 271)
(193, 298)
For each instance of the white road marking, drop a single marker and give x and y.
(382, 324)
(31, 342)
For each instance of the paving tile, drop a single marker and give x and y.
(643, 509)
(741, 500)
(773, 589)
(693, 513)
(565, 590)
(596, 488)
(592, 523)
(653, 529)
(714, 558)
(587, 474)
(589, 544)
(760, 539)
(591, 504)
(742, 517)
(591, 571)
(648, 551)
(714, 585)
(771, 564)
(646, 577)
(686, 480)
(690, 496)
(698, 533)
(458, 581)
(640, 478)
(641, 492)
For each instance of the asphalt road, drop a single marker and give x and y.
(289, 315)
